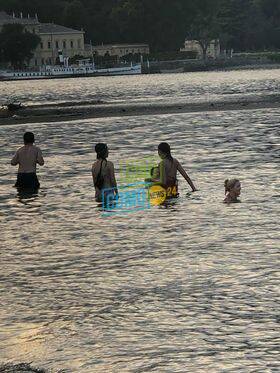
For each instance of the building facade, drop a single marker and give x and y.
(54, 38)
(117, 49)
(213, 51)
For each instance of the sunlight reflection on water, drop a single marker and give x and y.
(185, 287)
(199, 86)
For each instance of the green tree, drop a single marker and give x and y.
(74, 14)
(163, 24)
(16, 44)
(206, 23)
(244, 23)
(160, 23)
(271, 12)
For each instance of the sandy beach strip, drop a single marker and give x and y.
(75, 111)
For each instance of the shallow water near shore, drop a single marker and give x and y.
(191, 286)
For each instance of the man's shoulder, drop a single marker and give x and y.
(35, 147)
(21, 149)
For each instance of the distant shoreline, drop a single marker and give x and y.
(190, 66)
(79, 111)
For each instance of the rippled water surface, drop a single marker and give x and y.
(192, 286)
(191, 87)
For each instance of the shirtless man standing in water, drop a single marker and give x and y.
(27, 158)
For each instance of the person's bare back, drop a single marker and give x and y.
(27, 158)
(104, 171)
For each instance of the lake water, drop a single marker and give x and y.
(192, 286)
(191, 87)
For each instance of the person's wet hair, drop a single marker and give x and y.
(164, 147)
(101, 150)
(28, 138)
(229, 184)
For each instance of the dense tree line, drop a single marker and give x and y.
(164, 24)
(16, 45)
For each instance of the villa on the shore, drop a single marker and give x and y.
(119, 50)
(213, 51)
(53, 38)
(60, 40)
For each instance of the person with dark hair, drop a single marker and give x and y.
(168, 168)
(232, 190)
(27, 158)
(103, 173)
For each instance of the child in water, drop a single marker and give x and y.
(171, 191)
(154, 175)
(232, 190)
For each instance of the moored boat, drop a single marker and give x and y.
(50, 72)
